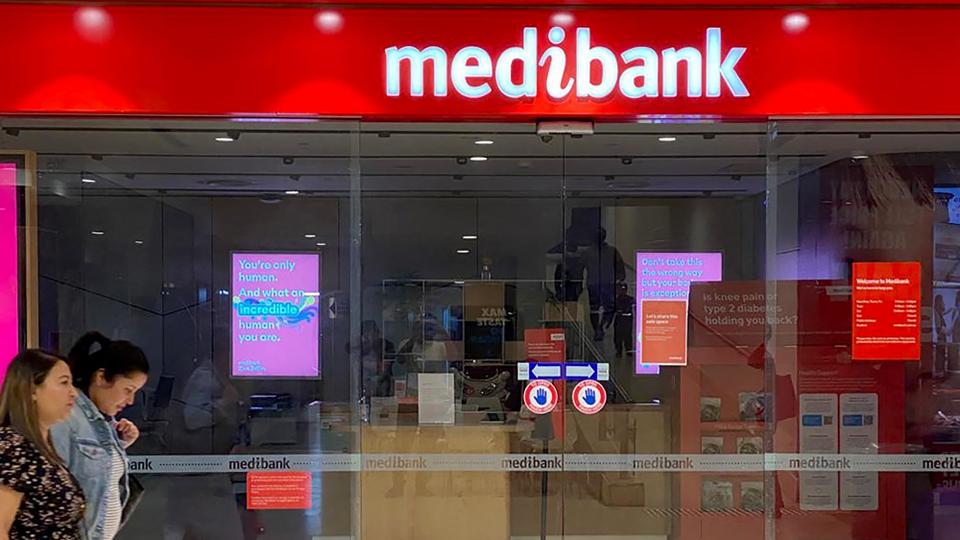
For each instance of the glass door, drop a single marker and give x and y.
(659, 219)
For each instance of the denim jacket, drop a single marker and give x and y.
(85, 441)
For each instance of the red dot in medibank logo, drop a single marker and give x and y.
(540, 397)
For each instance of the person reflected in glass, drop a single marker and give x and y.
(93, 442)
(605, 268)
(623, 326)
(39, 497)
(374, 350)
(941, 333)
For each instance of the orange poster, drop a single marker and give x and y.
(278, 490)
(664, 332)
(886, 311)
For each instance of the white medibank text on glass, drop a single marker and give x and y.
(644, 69)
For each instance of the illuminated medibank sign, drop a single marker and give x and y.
(638, 72)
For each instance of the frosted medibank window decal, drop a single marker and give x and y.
(9, 267)
(637, 72)
(663, 290)
(275, 323)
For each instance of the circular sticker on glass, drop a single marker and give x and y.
(589, 397)
(540, 397)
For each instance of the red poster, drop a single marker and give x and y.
(545, 344)
(549, 345)
(664, 332)
(886, 311)
(278, 491)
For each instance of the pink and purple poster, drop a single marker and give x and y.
(275, 321)
(663, 279)
(9, 268)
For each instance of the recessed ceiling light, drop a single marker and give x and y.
(138, 242)
(88, 180)
(483, 142)
(230, 136)
(321, 244)
(469, 237)
(463, 251)
(478, 158)
(96, 233)
(309, 236)
(291, 192)
(667, 139)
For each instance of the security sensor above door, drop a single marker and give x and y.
(565, 127)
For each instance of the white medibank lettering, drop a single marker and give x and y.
(645, 73)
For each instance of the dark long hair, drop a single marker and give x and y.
(113, 357)
(26, 372)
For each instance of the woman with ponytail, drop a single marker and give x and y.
(92, 442)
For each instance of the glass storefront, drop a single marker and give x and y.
(342, 316)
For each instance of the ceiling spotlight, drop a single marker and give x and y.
(321, 244)
(291, 192)
(667, 139)
(270, 198)
(562, 18)
(627, 161)
(309, 235)
(462, 160)
(88, 180)
(13, 132)
(463, 251)
(231, 136)
(483, 142)
(478, 158)
(138, 242)
(288, 161)
(97, 233)
(860, 156)
(469, 237)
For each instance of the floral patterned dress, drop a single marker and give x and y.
(52, 504)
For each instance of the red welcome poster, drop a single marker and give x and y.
(886, 311)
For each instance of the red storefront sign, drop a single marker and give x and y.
(617, 63)
(886, 311)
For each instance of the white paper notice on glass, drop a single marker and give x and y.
(818, 435)
(435, 398)
(859, 416)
